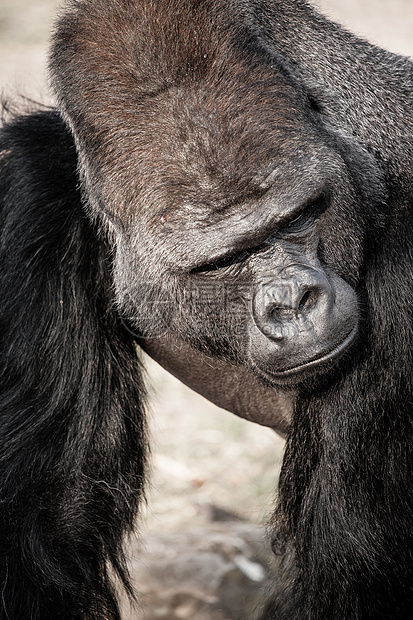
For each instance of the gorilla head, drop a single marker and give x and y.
(232, 207)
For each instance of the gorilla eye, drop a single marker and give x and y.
(297, 221)
(300, 222)
(304, 218)
(225, 262)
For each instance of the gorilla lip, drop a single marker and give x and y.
(332, 354)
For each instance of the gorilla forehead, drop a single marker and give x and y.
(205, 126)
(210, 148)
(149, 45)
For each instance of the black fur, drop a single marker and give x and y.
(72, 455)
(179, 111)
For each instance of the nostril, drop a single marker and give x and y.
(305, 301)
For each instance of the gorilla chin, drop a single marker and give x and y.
(321, 363)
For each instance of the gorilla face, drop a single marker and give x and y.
(287, 313)
(237, 216)
(267, 280)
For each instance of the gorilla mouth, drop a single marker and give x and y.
(332, 354)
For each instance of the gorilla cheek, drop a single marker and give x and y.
(303, 320)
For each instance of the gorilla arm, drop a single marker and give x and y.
(227, 386)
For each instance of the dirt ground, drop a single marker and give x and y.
(201, 454)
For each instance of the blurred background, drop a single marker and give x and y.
(202, 456)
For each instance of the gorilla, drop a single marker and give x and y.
(227, 184)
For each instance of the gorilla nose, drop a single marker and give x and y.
(285, 305)
(293, 303)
